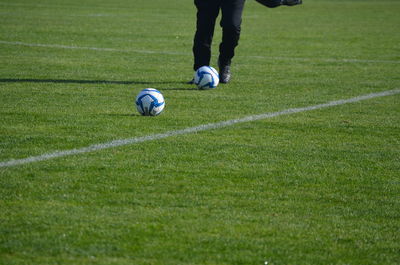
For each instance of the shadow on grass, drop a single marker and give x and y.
(178, 88)
(73, 81)
(120, 114)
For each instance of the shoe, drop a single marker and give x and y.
(224, 73)
(291, 2)
(191, 82)
(270, 3)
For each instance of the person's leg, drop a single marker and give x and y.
(207, 13)
(231, 27)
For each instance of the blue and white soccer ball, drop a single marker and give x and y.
(150, 102)
(206, 77)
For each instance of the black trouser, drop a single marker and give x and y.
(207, 13)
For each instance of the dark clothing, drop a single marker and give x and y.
(207, 13)
(270, 3)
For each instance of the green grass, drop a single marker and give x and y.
(319, 187)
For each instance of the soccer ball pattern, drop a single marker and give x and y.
(150, 102)
(206, 77)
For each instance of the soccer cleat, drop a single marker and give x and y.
(276, 3)
(270, 3)
(191, 82)
(291, 2)
(224, 73)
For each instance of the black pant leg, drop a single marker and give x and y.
(207, 13)
(231, 26)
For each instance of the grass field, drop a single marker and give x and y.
(316, 187)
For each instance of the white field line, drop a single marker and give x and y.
(196, 129)
(57, 46)
(35, 5)
(329, 60)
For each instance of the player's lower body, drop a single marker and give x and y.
(207, 13)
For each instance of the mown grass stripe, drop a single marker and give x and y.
(204, 127)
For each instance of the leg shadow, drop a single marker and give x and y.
(73, 81)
